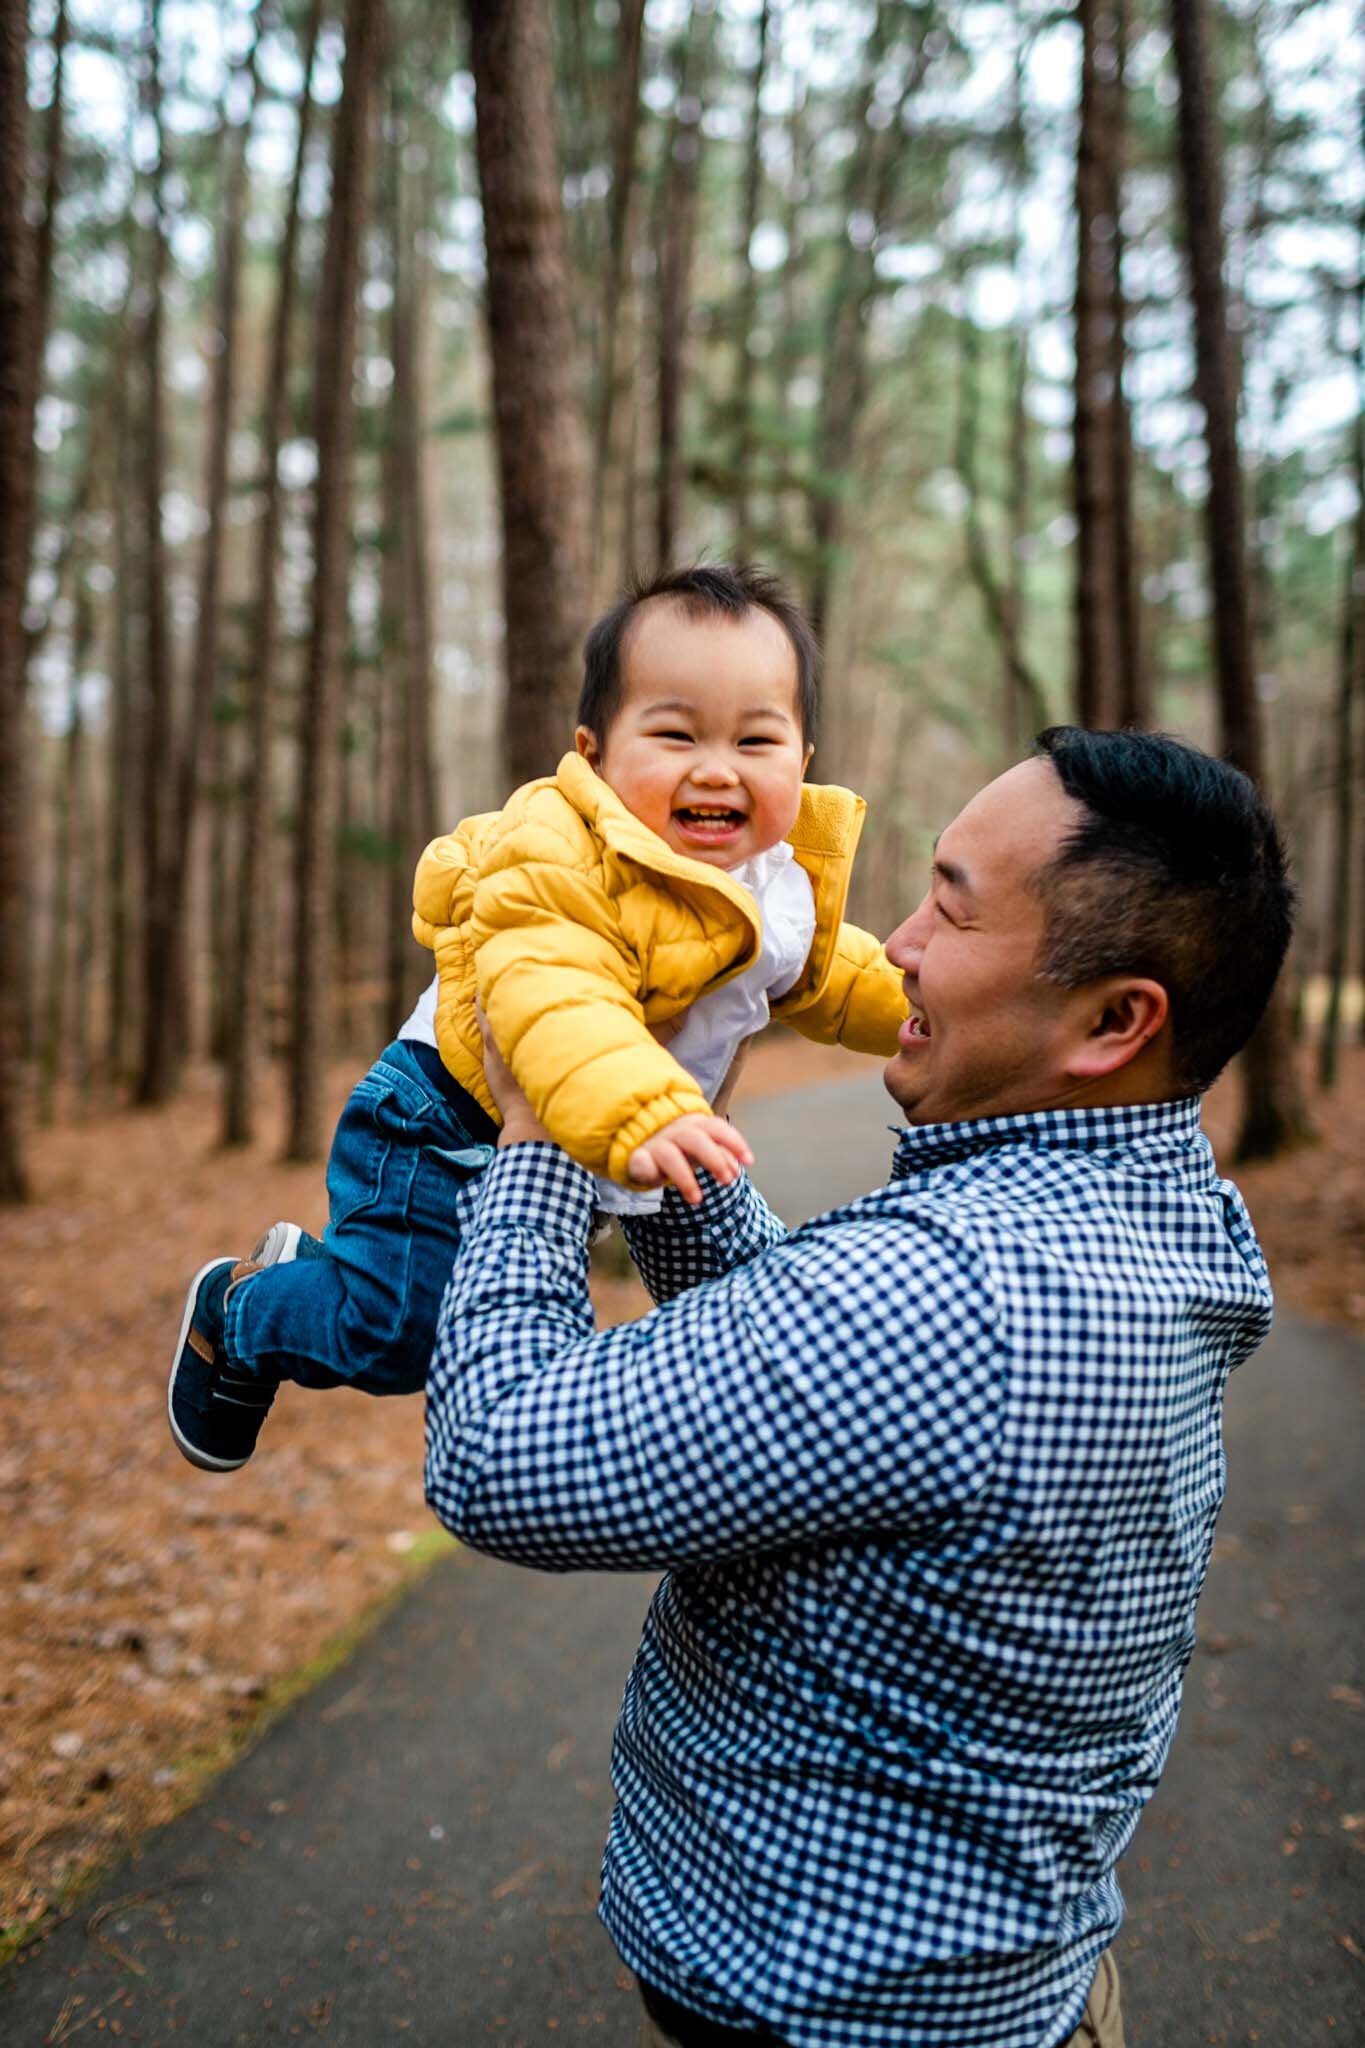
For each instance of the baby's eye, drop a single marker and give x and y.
(672, 736)
(758, 739)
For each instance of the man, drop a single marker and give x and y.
(934, 1478)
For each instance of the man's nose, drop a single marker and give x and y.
(905, 947)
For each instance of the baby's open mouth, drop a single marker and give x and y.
(709, 817)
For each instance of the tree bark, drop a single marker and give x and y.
(16, 507)
(244, 1019)
(1273, 1113)
(1350, 691)
(158, 1072)
(542, 458)
(71, 826)
(1108, 671)
(195, 745)
(124, 756)
(742, 400)
(406, 787)
(674, 242)
(334, 433)
(614, 367)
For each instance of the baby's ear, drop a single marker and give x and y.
(585, 739)
(805, 759)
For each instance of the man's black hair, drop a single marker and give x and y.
(1176, 872)
(731, 590)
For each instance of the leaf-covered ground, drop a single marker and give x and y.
(152, 1614)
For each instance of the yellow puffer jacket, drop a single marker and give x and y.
(577, 928)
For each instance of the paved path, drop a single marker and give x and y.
(412, 1854)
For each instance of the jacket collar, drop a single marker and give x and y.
(823, 839)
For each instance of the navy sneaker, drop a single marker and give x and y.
(214, 1407)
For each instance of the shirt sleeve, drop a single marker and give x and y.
(845, 1382)
(680, 1245)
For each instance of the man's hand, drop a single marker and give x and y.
(519, 1125)
(690, 1141)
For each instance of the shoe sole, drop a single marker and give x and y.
(182, 1443)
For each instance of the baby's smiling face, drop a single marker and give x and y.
(706, 747)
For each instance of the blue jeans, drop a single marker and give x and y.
(358, 1307)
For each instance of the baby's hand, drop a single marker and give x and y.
(690, 1141)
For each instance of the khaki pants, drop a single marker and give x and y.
(1101, 2023)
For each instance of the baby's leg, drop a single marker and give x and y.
(359, 1307)
(356, 1308)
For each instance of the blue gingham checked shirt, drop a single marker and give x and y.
(934, 1481)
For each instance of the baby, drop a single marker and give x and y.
(674, 875)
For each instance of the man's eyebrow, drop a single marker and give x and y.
(948, 871)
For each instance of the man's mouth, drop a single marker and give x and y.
(914, 1030)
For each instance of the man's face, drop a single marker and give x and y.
(990, 1037)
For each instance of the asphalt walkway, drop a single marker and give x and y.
(411, 1855)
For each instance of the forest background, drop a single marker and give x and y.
(1027, 341)
(353, 353)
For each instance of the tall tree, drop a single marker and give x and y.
(243, 1015)
(334, 434)
(406, 788)
(17, 312)
(675, 234)
(1273, 1113)
(198, 734)
(161, 1021)
(542, 456)
(1108, 670)
(742, 400)
(1350, 694)
(615, 320)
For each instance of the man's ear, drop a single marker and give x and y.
(1124, 1017)
(585, 739)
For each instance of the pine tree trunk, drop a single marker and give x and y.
(244, 1019)
(1097, 479)
(159, 1069)
(1350, 691)
(124, 757)
(541, 447)
(199, 736)
(1135, 708)
(16, 504)
(406, 789)
(615, 363)
(334, 433)
(742, 401)
(674, 242)
(35, 341)
(71, 825)
(1274, 1114)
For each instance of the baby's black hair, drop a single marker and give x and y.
(731, 590)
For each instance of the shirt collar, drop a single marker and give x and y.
(922, 1146)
